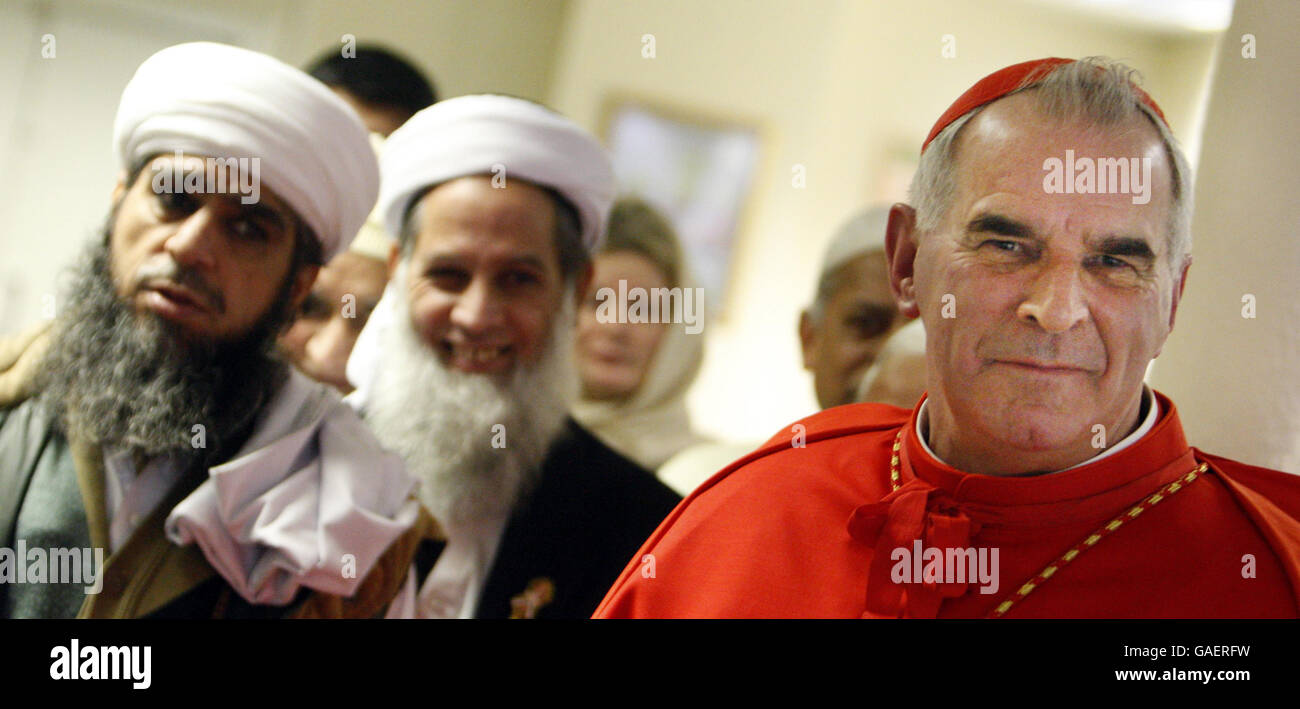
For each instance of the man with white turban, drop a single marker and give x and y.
(852, 313)
(150, 429)
(466, 368)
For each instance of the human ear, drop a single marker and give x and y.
(900, 253)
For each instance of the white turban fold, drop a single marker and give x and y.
(489, 134)
(215, 100)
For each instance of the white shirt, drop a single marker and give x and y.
(1153, 413)
(133, 494)
(310, 500)
(454, 586)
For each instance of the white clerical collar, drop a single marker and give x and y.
(1153, 413)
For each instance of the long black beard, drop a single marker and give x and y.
(133, 381)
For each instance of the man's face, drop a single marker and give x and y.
(484, 281)
(857, 319)
(340, 303)
(205, 262)
(1042, 310)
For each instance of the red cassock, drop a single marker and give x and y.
(820, 530)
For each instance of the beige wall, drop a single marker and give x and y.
(1234, 378)
(837, 86)
(468, 46)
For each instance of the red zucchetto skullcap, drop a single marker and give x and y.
(1004, 81)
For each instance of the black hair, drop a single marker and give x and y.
(376, 77)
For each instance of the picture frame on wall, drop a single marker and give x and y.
(698, 170)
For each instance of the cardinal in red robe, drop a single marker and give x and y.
(815, 531)
(1039, 477)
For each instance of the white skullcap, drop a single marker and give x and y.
(481, 135)
(216, 100)
(860, 234)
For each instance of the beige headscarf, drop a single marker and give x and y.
(653, 424)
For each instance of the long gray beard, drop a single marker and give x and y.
(129, 380)
(444, 423)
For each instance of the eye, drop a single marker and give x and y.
(175, 203)
(1112, 265)
(315, 308)
(1009, 251)
(869, 326)
(520, 278)
(448, 278)
(249, 230)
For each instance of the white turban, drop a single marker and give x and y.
(215, 100)
(483, 135)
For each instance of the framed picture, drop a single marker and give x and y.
(697, 170)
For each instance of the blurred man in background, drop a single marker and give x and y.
(321, 337)
(385, 90)
(852, 312)
(382, 87)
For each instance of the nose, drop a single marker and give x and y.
(328, 349)
(478, 308)
(616, 332)
(1055, 299)
(195, 241)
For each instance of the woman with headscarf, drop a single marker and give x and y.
(635, 375)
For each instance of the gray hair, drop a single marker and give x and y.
(1094, 90)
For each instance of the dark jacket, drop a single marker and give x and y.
(591, 511)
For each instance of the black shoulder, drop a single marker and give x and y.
(590, 512)
(582, 458)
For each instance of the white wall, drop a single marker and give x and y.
(56, 130)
